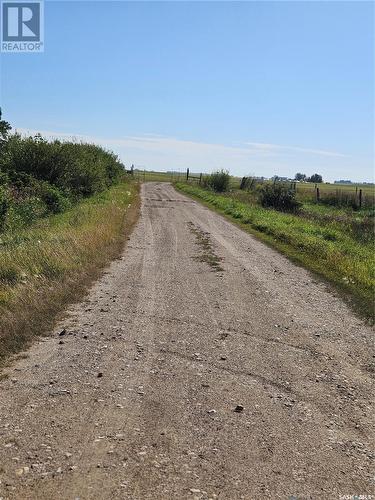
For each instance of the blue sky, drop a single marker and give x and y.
(255, 87)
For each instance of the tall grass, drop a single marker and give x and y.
(328, 247)
(63, 214)
(48, 264)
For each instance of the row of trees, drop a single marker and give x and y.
(38, 176)
(317, 178)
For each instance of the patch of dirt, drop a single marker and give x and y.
(207, 254)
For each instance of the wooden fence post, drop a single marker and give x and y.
(187, 174)
(317, 194)
(200, 179)
(360, 198)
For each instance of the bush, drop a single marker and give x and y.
(39, 177)
(82, 169)
(4, 204)
(54, 200)
(279, 197)
(218, 181)
(24, 212)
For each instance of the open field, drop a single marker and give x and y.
(306, 191)
(45, 266)
(326, 186)
(150, 176)
(339, 249)
(202, 364)
(340, 194)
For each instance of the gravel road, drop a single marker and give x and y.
(203, 364)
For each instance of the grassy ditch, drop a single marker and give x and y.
(50, 263)
(326, 246)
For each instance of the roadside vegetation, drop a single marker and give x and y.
(65, 209)
(218, 181)
(40, 177)
(337, 243)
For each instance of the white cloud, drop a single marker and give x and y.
(261, 146)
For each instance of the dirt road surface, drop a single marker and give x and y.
(197, 319)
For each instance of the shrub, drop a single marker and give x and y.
(39, 177)
(55, 201)
(4, 204)
(279, 197)
(82, 169)
(218, 181)
(4, 179)
(24, 212)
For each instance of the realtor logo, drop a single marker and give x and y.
(22, 26)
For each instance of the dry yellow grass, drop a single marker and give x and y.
(50, 264)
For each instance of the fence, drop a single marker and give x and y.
(360, 196)
(194, 177)
(326, 194)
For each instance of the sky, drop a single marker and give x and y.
(254, 87)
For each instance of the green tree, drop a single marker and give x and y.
(315, 178)
(4, 129)
(300, 177)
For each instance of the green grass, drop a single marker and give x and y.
(49, 264)
(327, 246)
(331, 194)
(305, 190)
(337, 194)
(326, 186)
